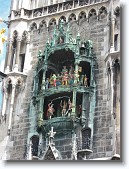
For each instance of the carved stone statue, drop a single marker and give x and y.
(89, 46)
(47, 83)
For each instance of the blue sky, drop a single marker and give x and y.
(4, 12)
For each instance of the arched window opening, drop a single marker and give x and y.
(33, 26)
(52, 24)
(102, 13)
(42, 25)
(9, 87)
(14, 48)
(82, 15)
(22, 51)
(92, 16)
(60, 69)
(57, 105)
(117, 12)
(18, 86)
(84, 74)
(86, 138)
(72, 17)
(34, 147)
(109, 81)
(40, 77)
(62, 18)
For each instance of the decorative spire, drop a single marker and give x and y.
(51, 136)
(61, 25)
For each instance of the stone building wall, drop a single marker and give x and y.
(24, 126)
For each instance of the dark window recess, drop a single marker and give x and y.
(35, 143)
(22, 60)
(86, 138)
(40, 77)
(116, 42)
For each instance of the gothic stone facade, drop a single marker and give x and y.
(31, 27)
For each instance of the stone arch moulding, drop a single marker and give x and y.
(117, 11)
(62, 18)
(15, 34)
(102, 13)
(52, 22)
(82, 17)
(33, 26)
(92, 15)
(72, 17)
(42, 24)
(24, 35)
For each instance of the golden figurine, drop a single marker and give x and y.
(2, 38)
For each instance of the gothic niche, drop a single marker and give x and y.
(82, 16)
(34, 145)
(102, 13)
(13, 51)
(62, 18)
(72, 17)
(33, 26)
(92, 16)
(42, 26)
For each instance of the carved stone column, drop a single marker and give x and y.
(43, 78)
(112, 33)
(85, 108)
(5, 96)
(113, 113)
(9, 56)
(22, 12)
(76, 72)
(17, 54)
(25, 69)
(11, 107)
(73, 114)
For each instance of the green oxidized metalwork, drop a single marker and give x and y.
(82, 57)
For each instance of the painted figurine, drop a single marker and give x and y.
(54, 79)
(85, 81)
(64, 108)
(64, 76)
(50, 110)
(69, 107)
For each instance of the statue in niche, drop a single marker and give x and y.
(40, 119)
(64, 76)
(54, 79)
(85, 81)
(58, 80)
(61, 40)
(47, 84)
(76, 77)
(89, 47)
(81, 80)
(71, 76)
(64, 107)
(50, 110)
